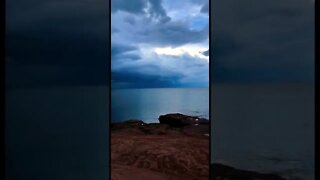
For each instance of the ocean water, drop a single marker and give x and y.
(269, 128)
(149, 104)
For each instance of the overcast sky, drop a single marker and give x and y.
(160, 43)
(66, 42)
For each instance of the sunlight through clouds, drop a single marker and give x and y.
(179, 51)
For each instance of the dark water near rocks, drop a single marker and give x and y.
(149, 104)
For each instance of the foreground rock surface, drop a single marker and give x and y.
(177, 150)
(160, 151)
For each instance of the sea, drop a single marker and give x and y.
(149, 104)
(62, 132)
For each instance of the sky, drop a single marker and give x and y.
(66, 42)
(156, 44)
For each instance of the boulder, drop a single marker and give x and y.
(180, 120)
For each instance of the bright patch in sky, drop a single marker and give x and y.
(193, 51)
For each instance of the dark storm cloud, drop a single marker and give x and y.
(138, 7)
(206, 53)
(124, 52)
(69, 36)
(265, 41)
(157, 10)
(183, 71)
(173, 34)
(200, 2)
(169, 33)
(205, 8)
(127, 57)
(124, 79)
(153, 75)
(117, 49)
(136, 77)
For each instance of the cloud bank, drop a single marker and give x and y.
(156, 44)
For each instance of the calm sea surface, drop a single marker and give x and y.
(149, 104)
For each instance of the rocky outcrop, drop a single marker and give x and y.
(180, 120)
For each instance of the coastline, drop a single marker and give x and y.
(175, 148)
